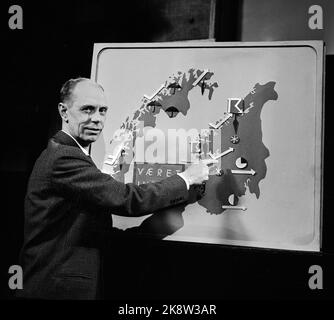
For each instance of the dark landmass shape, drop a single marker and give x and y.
(250, 147)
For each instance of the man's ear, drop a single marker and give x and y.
(62, 108)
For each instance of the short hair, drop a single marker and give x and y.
(69, 86)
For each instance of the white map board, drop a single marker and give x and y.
(269, 192)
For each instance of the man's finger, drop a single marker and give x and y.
(209, 162)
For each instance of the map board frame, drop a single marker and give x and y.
(318, 48)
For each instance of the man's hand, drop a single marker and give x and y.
(198, 172)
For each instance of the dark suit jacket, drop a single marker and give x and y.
(68, 209)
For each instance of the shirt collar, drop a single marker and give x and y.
(83, 150)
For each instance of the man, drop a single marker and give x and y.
(69, 202)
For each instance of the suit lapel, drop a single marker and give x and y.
(63, 138)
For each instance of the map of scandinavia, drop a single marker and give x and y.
(239, 135)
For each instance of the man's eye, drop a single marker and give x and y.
(103, 110)
(88, 109)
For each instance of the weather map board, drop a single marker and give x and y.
(256, 108)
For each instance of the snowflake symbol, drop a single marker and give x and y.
(235, 139)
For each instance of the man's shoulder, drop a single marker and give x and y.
(62, 144)
(63, 157)
(58, 149)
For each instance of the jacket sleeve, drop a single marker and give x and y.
(75, 176)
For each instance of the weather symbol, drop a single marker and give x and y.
(203, 84)
(235, 124)
(219, 155)
(174, 86)
(172, 112)
(233, 200)
(243, 208)
(154, 94)
(241, 163)
(235, 105)
(235, 139)
(154, 104)
(199, 79)
(220, 122)
(244, 172)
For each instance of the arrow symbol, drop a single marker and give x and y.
(234, 208)
(219, 123)
(219, 155)
(252, 172)
(200, 77)
(155, 93)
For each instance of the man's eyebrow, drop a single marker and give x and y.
(87, 105)
(94, 106)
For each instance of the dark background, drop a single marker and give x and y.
(56, 44)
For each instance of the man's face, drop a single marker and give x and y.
(87, 113)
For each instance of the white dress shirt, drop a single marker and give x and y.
(83, 149)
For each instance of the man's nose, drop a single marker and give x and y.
(97, 117)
